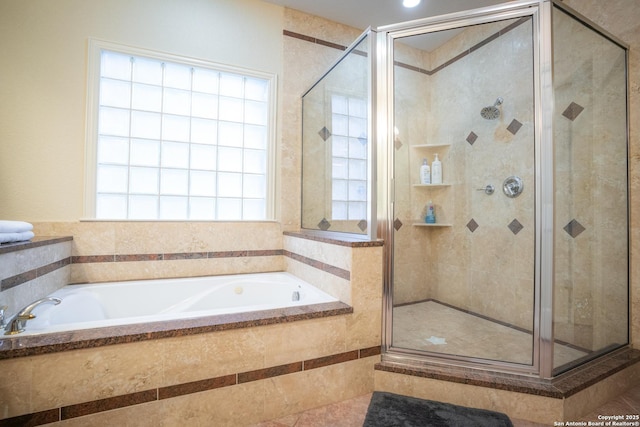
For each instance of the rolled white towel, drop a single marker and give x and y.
(14, 226)
(16, 237)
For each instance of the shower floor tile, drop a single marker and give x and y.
(435, 327)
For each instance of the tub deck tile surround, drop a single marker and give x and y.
(340, 241)
(335, 361)
(21, 346)
(167, 392)
(560, 387)
(37, 241)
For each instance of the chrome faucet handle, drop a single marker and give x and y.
(19, 321)
(25, 313)
(489, 189)
(512, 186)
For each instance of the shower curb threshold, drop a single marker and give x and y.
(560, 387)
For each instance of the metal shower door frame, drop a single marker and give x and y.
(540, 11)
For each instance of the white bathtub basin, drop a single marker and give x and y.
(119, 303)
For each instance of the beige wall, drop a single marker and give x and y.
(43, 80)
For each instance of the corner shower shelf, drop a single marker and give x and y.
(437, 224)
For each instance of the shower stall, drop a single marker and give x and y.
(526, 268)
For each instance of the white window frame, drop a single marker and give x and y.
(95, 49)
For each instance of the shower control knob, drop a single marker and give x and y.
(489, 189)
(512, 186)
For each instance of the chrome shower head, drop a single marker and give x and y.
(492, 112)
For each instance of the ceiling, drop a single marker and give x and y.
(364, 13)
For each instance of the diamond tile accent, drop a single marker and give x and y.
(472, 138)
(573, 111)
(397, 143)
(324, 133)
(324, 224)
(362, 225)
(515, 226)
(514, 126)
(472, 225)
(574, 228)
(397, 224)
(363, 139)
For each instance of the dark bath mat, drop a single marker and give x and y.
(393, 410)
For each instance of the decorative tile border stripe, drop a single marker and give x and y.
(88, 408)
(313, 40)
(33, 419)
(82, 259)
(167, 392)
(27, 276)
(18, 279)
(196, 386)
(336, 271)
(413, 67)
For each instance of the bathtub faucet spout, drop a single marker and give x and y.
(19, 321)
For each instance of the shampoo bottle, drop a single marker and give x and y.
(431, 213)
(436, 171)
(425, 172)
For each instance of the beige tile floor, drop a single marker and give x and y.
(352, 412)
(465, 335)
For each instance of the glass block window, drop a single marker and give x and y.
(177, 140)
(349, 157)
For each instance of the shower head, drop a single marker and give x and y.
(492, 112)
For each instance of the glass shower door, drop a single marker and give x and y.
(463, 287)
(591, 214)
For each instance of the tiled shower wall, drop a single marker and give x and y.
(489, 251)
(457, 264)
(590, 294)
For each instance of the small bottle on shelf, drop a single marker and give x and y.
(430, 218)
(425, 172)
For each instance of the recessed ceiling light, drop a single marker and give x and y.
(410, 3)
